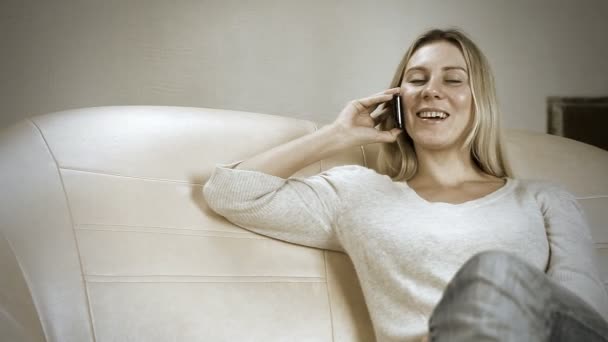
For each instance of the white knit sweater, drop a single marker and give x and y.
(405, 249)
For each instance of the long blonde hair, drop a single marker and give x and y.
(398, 160)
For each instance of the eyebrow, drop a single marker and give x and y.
(444, 68)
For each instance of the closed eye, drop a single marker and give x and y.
(417, 81)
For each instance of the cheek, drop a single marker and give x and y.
(463, 100)
(408, 97)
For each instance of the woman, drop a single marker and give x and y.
(444, 241)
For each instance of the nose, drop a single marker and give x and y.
(432, 90)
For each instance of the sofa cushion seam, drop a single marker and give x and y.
(67, 200)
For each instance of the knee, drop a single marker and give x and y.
(489, 274)
(499, 272)
(492, 264)
(494, 293)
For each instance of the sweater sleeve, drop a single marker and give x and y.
(301, 210)
(573, 261)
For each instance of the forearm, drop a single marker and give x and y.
(284, 160)
(353, 126)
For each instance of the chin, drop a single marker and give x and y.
(432, 144)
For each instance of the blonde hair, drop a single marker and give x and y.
(398, 160)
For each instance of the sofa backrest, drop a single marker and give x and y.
(104, 212)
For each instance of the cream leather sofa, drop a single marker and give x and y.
(105, 235)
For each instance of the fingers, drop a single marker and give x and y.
(378, 98)
(391, 91)
(379, 109)
(380, 116)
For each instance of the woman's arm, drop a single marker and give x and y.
(284, 160)
(354, 126)
(573, 262)
(259, 193)
(301, 210)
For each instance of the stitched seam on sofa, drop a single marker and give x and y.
(201, 234)
(132, 177)
(331, 315)
(101, 278)
(11, 250)
(591, 197)
(67, 200)
(212, 276)
(148, 227)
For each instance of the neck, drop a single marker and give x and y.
(445, 168)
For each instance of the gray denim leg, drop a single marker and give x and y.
(497, 296)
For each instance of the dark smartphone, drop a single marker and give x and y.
(397, 110)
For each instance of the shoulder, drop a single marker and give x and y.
(545, 188)
(349, 171)
(353, 177)
(547, 194)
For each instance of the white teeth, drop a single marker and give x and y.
(441, 115)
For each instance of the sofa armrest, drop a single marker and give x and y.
(19, 320)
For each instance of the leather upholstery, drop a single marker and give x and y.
(110, 238)
(18, 318)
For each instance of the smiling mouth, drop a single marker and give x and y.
(432, 115)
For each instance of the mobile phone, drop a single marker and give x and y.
(397, 111)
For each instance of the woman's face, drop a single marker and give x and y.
(437, 97)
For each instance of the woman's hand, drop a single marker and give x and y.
(356, 124)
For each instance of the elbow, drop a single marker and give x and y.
(226, 203)
(213, 198)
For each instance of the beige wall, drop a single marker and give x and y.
(303, 59)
